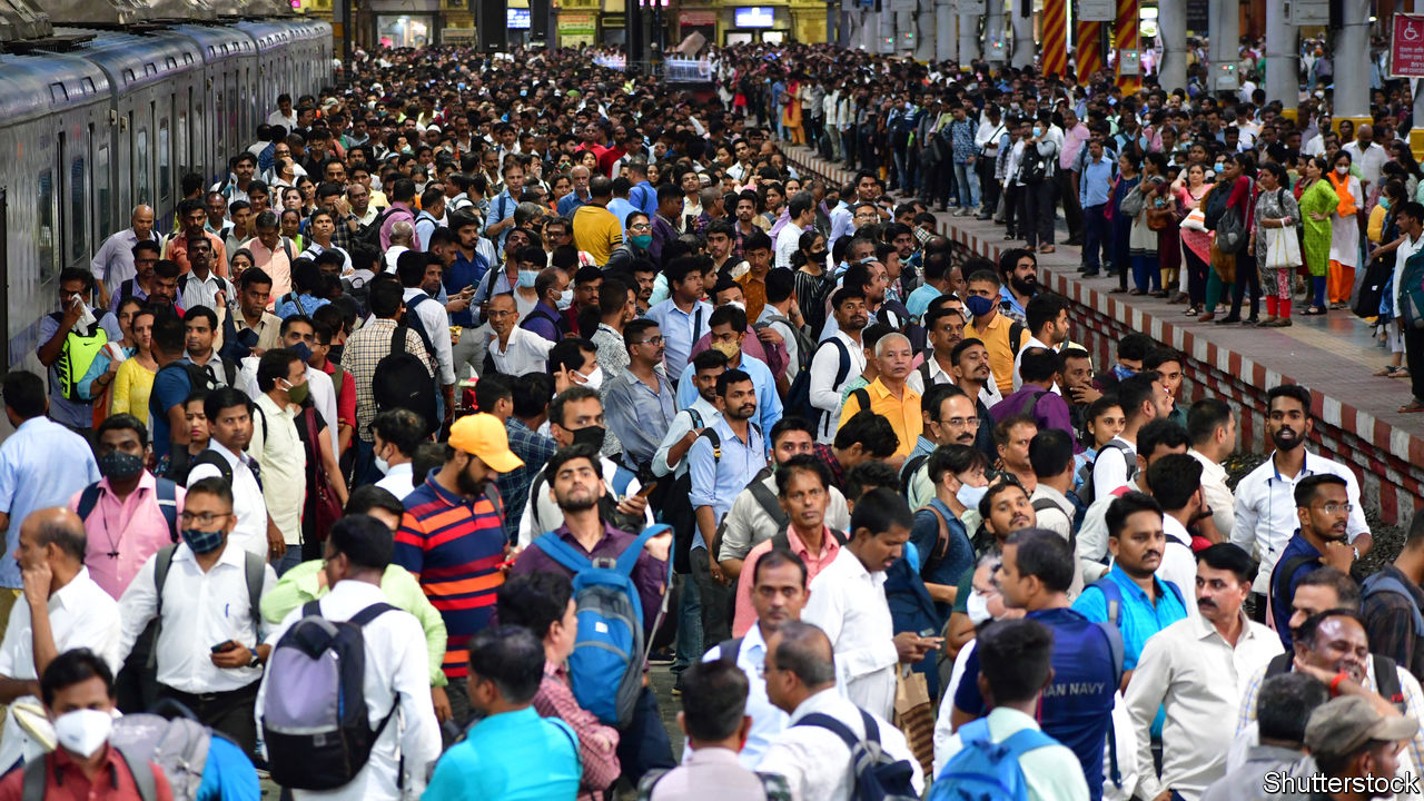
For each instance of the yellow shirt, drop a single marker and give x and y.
(133, 383)
(596, 230)
(902, 412)
(995, 337)
(754, 291)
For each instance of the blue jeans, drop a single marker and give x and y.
(689, 621)
(1097, 233)
(288, 560)
(1145, 274)
(903, 171)
(966, 179)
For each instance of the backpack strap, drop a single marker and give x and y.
(370, 613)
(1281, 580)
(255, 568)
(821, 720)
(712, 437)
(142, 771)
(88, 499)
(562, 552)
(907, 473)
(1382, 582)
(695, 417)
(941, 549)
(767, 499)
(1025, 740)
(398, 339)
(1112, 595)
(1281, 663)
(36, 773)
(622, 479)
(167, 504)
(215, 459)
(1387, 682)
(1016, 332)
(729, 650)
(629, 558)
(162, 563)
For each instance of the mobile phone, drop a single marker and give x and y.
(647, 489)
(224, 647)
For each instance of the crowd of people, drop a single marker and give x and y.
(479, 388)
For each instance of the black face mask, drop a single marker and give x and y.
(590, 435)
(334, 354)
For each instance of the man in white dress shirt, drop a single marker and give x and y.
(358, 551)
(398, 432)
(209, 646)
(229, 414)
(848, 603)
(514, 350)
(801, 681)
(62, 609)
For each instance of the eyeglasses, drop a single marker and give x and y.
(204, 519)
(654, 341)
(639, 227)
(963, 421)
(1338, 508)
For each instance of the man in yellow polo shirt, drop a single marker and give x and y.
(888, 396)
(595, 228)
(1003, 337)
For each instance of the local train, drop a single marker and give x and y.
(94, 122)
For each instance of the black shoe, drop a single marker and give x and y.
(1230, 318)
(1251, 321)
(1077, 243)
(983, 216)
(1093, 274)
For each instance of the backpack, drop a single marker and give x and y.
(878, 776)
(401, 381)
(804, 346)
(677, 509)
(1076, 521)
(1383, 582)
(1132, 202)
(798, 398)
(191, 755)
(1088, 491)
(985, 769)
(774, 786)
(907, 473)
(1231, 233)
(606, 666)
(1215, 206)
(1386, 677)
(1411, 292)
(167, 502)
(412, 321)
(1033, 168)
(315, 718)
(370, 235)
(78, 354)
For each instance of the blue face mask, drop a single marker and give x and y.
(971, 496)
(978, 305)
(1219, 168)
(302, 350)
(1123, 373)
(527, 278)
(202, 541)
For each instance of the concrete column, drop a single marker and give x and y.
(1282, 57)
(994, 32)
(1023, 33)
(968, 35)
(1352, 62)
(1172, 24)
(946, 47)
(1225, 26)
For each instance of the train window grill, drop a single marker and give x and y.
(142, 184)
(128, 75)
(103, 192)
(44, 239)
(58, 93)
(89, 86)
(165, 163)
(77, 219)
(150, 69)
(187, 58)
(171, 63)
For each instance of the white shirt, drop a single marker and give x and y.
(1051, 773)
(399, 480)
(1371, 160)
(397, 672)
(200, 610)
(848, 603)
(1189, 669)
(248, 505)
(1218, 495)
(527, 352)
(1179, 564)
(551, 516)
(767, 720)
(825, 393)
(1266, 516)
(279, 450)
(437, 328)
(788, 241)
(1033, 342)
(81, 615)
(1110, 468)
(196, 291)
(806, 755)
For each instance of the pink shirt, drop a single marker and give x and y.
(134, 528)
(746, 616)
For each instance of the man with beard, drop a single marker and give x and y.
(1195, 670)
(577, 483)
(452, 539)
(1323, 508)
(1266, 514)
(1001, 334)
(723, 460)
(839, 358)
(1018, 271)
(1048, 327)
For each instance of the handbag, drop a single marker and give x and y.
(1231, 235)
(1282, 248)
(325, 506)
(1160, 219)
(915, 715)
(1195, 220)
(1132, 202)
(1223, 263)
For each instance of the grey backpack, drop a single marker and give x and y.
(178, 746)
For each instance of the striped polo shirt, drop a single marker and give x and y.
(454, 547)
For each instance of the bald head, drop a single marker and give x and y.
(803, 650)
(1365, 134)
(142, 221)
(402, 233)
(57, 527)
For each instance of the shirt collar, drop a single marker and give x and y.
(59, 596)
(146, 481)
(829, 545)
(1175, 530)
(822, 701)
(713, 756)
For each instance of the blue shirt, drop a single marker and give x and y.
(1096, 181)
(170, 388)
(568, 204)
(513, 756)
(645, 198)
(76, 414)
(768, 402)
(292, 304)
(1076, 708)
(681, 330)
(42, 464)
(717, 482)
(919, 301)
(1281, 606)
(639, 416)
(621, 208)
(461, 273)
(958, 552)
(500, 210)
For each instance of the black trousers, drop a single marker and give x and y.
(1072, 212)
(1414, 357)
(229, 712)
(716, 602)
(1036, 228)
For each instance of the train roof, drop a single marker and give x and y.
(269, 33)
(218, 42)
(133, 61)
(39, 85)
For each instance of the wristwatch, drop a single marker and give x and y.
(256, 659)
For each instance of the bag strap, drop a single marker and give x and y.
(767, 499)
(88, 499)
(255, 568)
(629, 558)
(821, 720)
(729, 650)
(167, 493)
(360, 619)
(161, 565)
(142, 771)
(36, 773)
(1112, 597)
(562, 552)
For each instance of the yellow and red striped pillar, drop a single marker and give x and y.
(1090, 56)
(1125, 38)
(1053, 40)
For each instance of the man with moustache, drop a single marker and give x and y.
(950, 418)
(888, 396)
(1018, 270)
(1266, 516)
(1323, 509)
(973, 374)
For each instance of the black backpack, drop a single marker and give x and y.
(370, 235)
(1386, 677)
(401, 381)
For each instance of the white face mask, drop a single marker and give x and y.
(978, 608)
(593, 380)
(970, 496)
(566, 299)
(382, 465)
(83, 731)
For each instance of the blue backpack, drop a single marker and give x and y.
(986, 769)
(606, 666)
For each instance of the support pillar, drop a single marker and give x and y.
(968, 33)
(1125, 37)
(1089, 50)
(1282, 58)
(1172, 25)
(946, 47)
(1023, 33)
(1225, 28)
(1055, 37)
(1352, 63)
(994, 47)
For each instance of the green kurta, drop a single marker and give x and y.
(1319, 198)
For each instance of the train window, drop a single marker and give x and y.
(58, 93)
(45, 239)
(142, 186)
(103, 192)
(165, 162)
(185, 161)
(78, 220)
